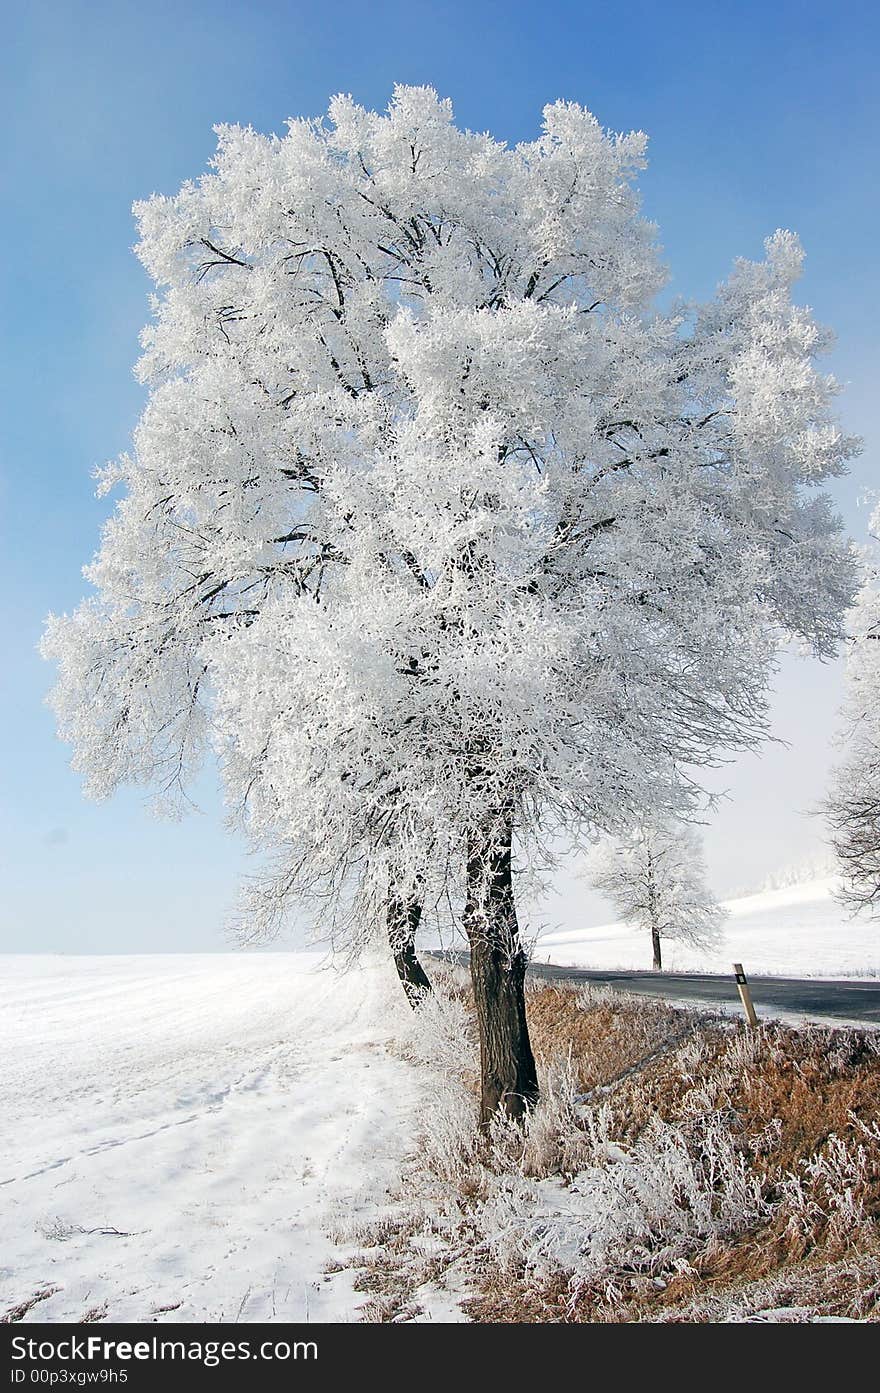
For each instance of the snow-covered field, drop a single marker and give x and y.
(796, 931)
(195, 1137)
(179, 1133)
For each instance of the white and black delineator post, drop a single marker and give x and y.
(745, 995)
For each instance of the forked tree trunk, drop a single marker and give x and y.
(403, 918)
(655, 941)
(509, 1082)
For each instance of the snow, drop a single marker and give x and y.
(198, 1137)
(225, 1113)
(794, 931)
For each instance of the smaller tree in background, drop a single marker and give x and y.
(853, 804)
(656, 879)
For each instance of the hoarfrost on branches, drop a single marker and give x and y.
(432, 525)
(853, 804)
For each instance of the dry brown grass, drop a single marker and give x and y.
(799, 1107)
(788, 1094)
(606, 1040)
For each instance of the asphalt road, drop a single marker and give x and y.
(810, 997)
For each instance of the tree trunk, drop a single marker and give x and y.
(498, 968)
(655, 940)
(403, 918)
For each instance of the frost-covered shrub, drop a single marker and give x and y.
(828, 1190)
(613, 1208)
(566, 1193)
(440, 1036)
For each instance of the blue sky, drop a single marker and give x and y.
(760, 115)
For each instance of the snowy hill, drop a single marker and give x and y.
(797, 930)
(180, 1133)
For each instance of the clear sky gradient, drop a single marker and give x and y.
(760, 115)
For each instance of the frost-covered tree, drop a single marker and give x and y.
(655, 877)
(436, 530)
(853, 805)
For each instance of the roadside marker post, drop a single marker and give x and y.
(745, 995)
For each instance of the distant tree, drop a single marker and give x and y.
(853, 804)
(656, 879)
(443, 536)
